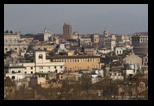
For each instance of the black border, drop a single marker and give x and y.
(57, 102)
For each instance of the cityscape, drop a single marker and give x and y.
(74, 66)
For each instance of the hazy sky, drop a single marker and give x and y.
(84, 18)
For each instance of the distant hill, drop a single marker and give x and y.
(28, 35)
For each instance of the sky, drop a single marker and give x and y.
(84, 18)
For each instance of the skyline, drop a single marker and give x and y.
(84, 18)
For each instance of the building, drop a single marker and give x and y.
(44, 46)
(73, 63)
(18, 71)
(103, 50)
(89, 50)
(67, 31)
(105, 33)
(13, 43)
(139, 38)
(108, 42)
(118, 50)
(141, 49)
(95, 38)
(132, 59)
(45, 36)
(75, 36)
(145, 60)
(85, 41)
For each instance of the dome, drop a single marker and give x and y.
(141, 48)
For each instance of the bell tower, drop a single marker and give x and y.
(40, 56)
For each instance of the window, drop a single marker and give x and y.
(40, 56)
(48, 71)
(13, 77)
(25, 72)
(12, 71)
(31, 68)
(55, 67)
(24, 48)
(15, 49)
(5, 48)
(61, 67)
(41, 67)
(19, 71)
(56, 71)
(31, 72)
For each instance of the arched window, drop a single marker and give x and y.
(40, 56)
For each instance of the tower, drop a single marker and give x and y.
(40, 56)
(67, 31)
(105, 33)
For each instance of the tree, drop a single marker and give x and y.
(11, 31)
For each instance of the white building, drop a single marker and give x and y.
(104, 51)
(116, 75)
(119, 50)
(20, 70)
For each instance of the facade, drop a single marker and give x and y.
(133, 59)
(138, 38)
(75, 36)
(141, 49)
(45, 47)
(95, 38)
(116, 75)
(11, 38)
(73, 63)
(12, 42)
(45, 36)
(104, 50)
(85, 41)
(118, 50)
(89, 50)
(145, 60)
(41, 65)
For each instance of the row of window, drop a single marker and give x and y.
(73, 68)
(76, 60)
(32, 71)
(41, 67)
(14, 48)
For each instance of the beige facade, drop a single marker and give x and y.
(12, 42)
(89, 50)
(133, 59)
(85, 41)
(73, 63)
(95, 38)
(19, 48)
(47, 47)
